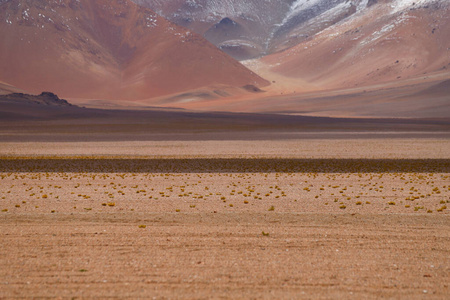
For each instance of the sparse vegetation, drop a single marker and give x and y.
(204, 191)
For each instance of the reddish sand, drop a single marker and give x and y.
(392, 147)
(227, 235)
(114, 223)
(421, 97)
(207, 255)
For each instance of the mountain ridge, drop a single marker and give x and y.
(268, 26)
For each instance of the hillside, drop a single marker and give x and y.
(387, 42)
(323, 44)
(107, 50)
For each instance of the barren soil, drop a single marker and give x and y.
(144, 222)
(180, 204)
(225, 255)
(313, 145)
(426, 96)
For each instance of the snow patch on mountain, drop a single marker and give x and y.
(298, 7)
(400, 5)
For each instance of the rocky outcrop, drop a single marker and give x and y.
(45, 98)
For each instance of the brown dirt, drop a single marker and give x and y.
(304, 148)
(177, 204)
(22, 121)
(116, 230)
(62, 237)
(425, 96)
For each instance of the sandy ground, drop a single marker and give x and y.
(424, 97)
(276, 219)
(224, 235)
(199, 256)
(311, 218)
(310, 146)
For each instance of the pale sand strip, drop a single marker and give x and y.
(394, 148)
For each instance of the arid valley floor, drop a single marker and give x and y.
(318, 216)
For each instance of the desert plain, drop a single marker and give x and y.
(185, 203)
(315, 216)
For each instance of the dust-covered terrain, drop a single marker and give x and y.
(174, 220)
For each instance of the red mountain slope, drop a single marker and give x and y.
(107, 49)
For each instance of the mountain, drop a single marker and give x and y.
(124, 50)
(323, 43)
(386, 42)
(259, 26)
(239, 28)
(45, 98)
(107, 50)
(8, 89)
(378, 58)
